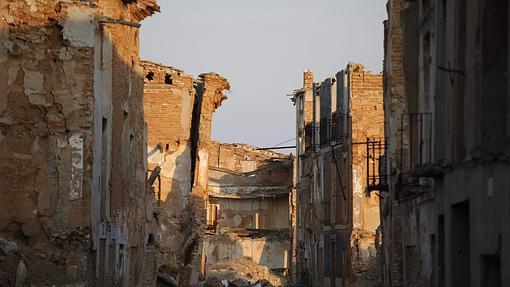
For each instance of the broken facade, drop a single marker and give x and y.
(368, 144)
(71, 134)
(446, 104)
(179, 113)
(333, 125)
(248, 210)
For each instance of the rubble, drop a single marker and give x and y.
(242, 271)
(179, 111)
(21, 266)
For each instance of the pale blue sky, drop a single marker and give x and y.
(262, 48)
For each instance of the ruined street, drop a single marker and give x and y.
(334, 143)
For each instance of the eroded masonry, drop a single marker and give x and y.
(106, 160)
(446, 187)
(72, 168)
(216, 204)
(248, 227)
(339, 134)
(109, 175)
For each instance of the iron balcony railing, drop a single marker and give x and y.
(335, 129)
(377, 179)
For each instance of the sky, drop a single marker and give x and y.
(262, 48)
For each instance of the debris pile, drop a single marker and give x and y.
(238, 272)
(21, 266)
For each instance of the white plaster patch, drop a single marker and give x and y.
(177, 164)
(203, 168)
(357, 198)
(156, 157)
(76, 142)
(33, 84)
(79, 27)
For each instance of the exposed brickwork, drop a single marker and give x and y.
(331, 173)
(179, 116)
(367, 116)
(60, 80)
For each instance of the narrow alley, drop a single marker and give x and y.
(113, 172)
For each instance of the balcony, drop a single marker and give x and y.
(336, 129)
(376, 163)
(416, 161)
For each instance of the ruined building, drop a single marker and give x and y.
(178, 112)
(216, 204)
(248, 211)
(72, 160)
(337, 120)
(446, 96)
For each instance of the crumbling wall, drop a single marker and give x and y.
(209, 97)
(249, 185)
(243, 171)
(395, 109)
(179, 112)
(168, 104)
(334, 215)
(270, 251)
(56, 87)
(367, 115)
(253, 213)
(248, 207)
(46, 129)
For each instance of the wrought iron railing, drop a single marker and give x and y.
(377, 179)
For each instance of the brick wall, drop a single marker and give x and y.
(168, 105)
(47, 53)
(367, 116)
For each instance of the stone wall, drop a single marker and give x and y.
(66, 71)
